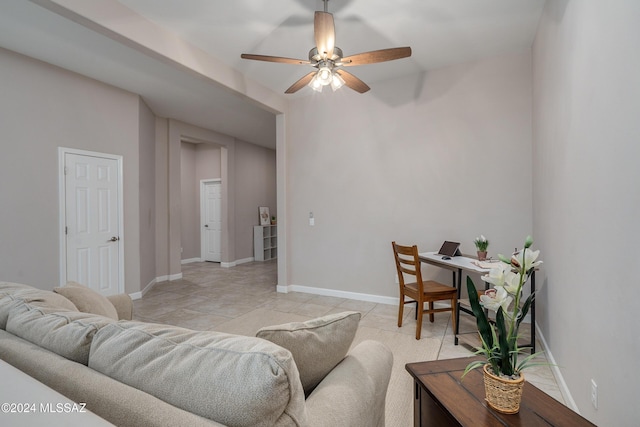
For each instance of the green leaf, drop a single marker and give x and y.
(527, 362)
(471, 366)
(481, 319)
(525, 309)
(494, 353)
(505, 349)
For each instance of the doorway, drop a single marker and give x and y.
(211, 219)
(91, 226)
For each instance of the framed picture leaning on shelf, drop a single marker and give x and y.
(265, 219)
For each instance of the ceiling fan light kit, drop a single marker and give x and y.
(323, 78)
(328, 59)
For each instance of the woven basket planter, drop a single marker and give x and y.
(503, 395)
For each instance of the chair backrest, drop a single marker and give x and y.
(407, 262)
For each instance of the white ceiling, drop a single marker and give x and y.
(440, 33)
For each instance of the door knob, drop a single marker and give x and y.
(206, 225)
(114, 239)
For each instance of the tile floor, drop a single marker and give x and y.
(209, 297)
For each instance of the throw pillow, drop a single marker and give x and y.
(87, 300)
(66, 333)
(13, 293)
(317, 345)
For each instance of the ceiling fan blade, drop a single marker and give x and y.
(374, 56)
(325, 33)
(301, 83)
(353, 82)
(273, 59)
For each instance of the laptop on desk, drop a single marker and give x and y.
(449, 250)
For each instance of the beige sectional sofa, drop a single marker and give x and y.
(142, 374)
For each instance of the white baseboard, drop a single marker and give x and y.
(138, 295)
(236, 262)
(150, 285)
(562, 385)
(169, 277)
(337, 293)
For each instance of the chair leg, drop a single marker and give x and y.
(419, 323)
(431, 316)
(400, 311)
(416, 315)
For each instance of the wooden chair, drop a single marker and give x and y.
(420, 291)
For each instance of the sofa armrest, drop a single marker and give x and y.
(353, 394)
(123, 305)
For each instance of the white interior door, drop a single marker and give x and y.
(93, 241)
(211, 220)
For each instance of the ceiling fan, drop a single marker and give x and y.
(328, 59)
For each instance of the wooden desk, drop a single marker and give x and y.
(463, 264)
(442, 399)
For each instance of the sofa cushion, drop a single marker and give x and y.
(13, 293)
(6, 303)
(8, 287)
(317, 345)
(67, 333)
(234, 380)
(87, 300)
(118, 403)
(30, 294)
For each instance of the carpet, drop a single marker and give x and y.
(249, 323)
(405, 349)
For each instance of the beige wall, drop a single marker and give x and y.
(586, 199)
(208, 163)
(255, 176)
(198, 162)
(254, 170)
(43, 107)
(162, 197)
(178, 132)
(255, 186)
(445, 155)
(189, 199)
(147, 194)
(169, 171)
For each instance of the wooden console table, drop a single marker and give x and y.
(443, 400)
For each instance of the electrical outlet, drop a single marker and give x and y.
(594, 394)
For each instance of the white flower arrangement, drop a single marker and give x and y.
(500, 338)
